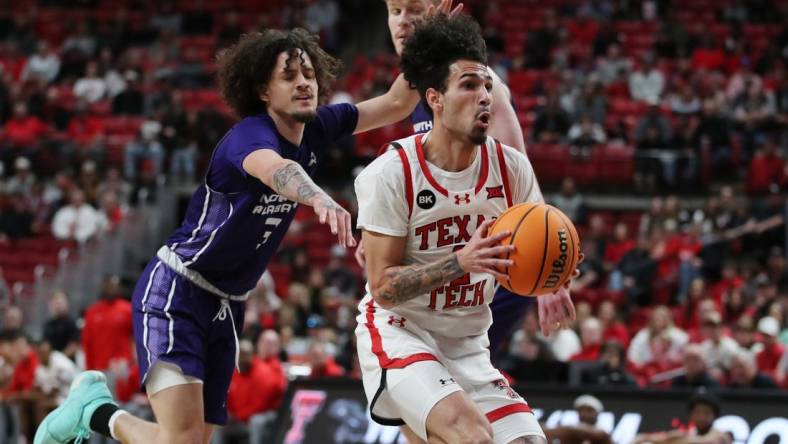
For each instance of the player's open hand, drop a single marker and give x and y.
(336, 217)
(556, 310)
(483, 254)
(444, 8)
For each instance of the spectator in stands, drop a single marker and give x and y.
(16, 219)
(145, 152)
(53, 376)
(321, 17)
(113, 181)
(590, 339)
(653, 130)
(107, 329)
(83, 41)
(167, 18)
(660, 323)
(23, 179)
(250, 399)
(541, 41)
(270, 354)
(570, 201)
(18, 364)
(704, 409)
(22, 133)
(85, 135)
(92, 87)
(766, 168)
(592, 102)
(612, 65)
(772, 351)
(322, 364)
(60, 330)
(552, 122)
(753, 114)
(337, 274)
(713, 137)
(646, 83)
(686, 102)
(696, 373)
(742, 80)
(612, 327)
(612, 369)
(78, 220)
(637, 270)
(586, 431)
(13, 318)
(44, 65)
(131, 100)
(621, 244)
(718, 349)
(585, 134)
(744, 373)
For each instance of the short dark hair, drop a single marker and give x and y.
(436, 43)
(703, 397)
(11, 335)
(246, 67)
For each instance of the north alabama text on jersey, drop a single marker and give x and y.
(273, 203)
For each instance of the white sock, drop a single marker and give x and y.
(112, 420)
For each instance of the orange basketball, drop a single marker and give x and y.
(547, 248)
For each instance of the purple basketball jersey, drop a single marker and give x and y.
(234, 223)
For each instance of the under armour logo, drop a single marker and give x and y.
(400, 322)
(312, 159)
(447, 381)
(493, 192)
(464, 199)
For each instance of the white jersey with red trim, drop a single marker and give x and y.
(401, 194)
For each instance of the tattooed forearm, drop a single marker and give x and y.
(405, 283)
(292, 182)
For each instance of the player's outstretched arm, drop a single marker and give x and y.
(391, 107)
(505, 126)
(289, 179)
(392, 284)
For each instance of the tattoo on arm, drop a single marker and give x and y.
(292, 182)
(406, 283)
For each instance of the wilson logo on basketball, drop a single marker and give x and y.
(559, 265)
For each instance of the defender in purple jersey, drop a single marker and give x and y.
(555, 311)
(189, 302)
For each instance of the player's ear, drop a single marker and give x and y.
(262, 93)
(434, 99)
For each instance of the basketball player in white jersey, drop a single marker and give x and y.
(425, 208)
(555, 310)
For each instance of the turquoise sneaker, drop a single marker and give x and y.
(71, 421)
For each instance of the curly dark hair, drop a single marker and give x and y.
(246, 67)
(436, 43)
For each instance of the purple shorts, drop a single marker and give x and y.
(176, 321)
(508, 310)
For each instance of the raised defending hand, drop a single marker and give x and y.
(482, 254)
(336, 217)
(445, 8)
